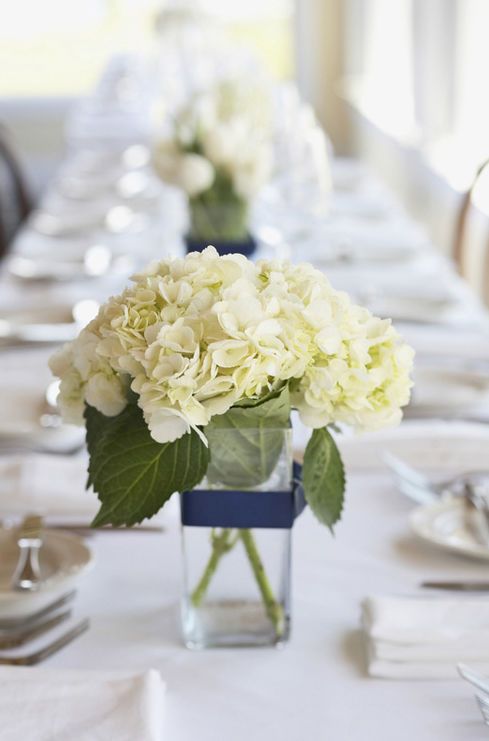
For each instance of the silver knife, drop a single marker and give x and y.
(458, 586)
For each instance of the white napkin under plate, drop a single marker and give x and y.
(51, 705)
(424, 638)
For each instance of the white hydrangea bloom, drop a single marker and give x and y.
(86, 376)
(193, 336)
(191, 172)
(225, 131)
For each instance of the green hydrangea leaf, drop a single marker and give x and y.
(281, 395)
(132, 474)
(323, 477)
(246, 442)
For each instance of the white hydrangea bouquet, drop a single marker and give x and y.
(209, 344)
(218, 151)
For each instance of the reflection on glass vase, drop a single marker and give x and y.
(236, 531)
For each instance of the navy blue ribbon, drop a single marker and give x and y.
(244, 509)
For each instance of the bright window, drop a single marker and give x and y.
(59, 47)
(420, 73)
(379, 49)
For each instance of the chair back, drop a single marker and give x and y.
(471, 234)
(15, 200)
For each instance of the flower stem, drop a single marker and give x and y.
(273, 608)
(221, 544)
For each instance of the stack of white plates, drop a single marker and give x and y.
(63, 559)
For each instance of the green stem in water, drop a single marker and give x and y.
(221, 544)
(273, 608)
(224, 542)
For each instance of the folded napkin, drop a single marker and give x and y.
(420, 638)
(50, 705)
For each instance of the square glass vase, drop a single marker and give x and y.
(222, 223)
(237, 579)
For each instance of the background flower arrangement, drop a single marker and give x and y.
(219, 151)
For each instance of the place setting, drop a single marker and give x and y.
(455, 510)
(41, 571)
(44, 259)
(39, 575)
(424, 631)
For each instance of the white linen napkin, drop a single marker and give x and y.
(424, 638)
(50, 705)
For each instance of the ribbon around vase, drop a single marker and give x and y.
(246, 247)
(244, 509)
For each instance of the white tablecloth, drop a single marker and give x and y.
(316, 687)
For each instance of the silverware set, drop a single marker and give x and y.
(471, 488)
(17, 632)
(421, 489)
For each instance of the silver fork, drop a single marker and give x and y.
(34, 617)
(481, 683)
(37, 656)
(12, 638)
(414, 481)
(423, 490)
(20, 445)
(477, 680)
(483, 704)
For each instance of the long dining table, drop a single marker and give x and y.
(317, 686)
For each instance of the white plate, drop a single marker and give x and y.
(365, 205)
(63, 558)
(423, 309)
(24, 410)
(58, 323)
(328, 243)
(22, 407)
(449, 389)
(445, 524)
